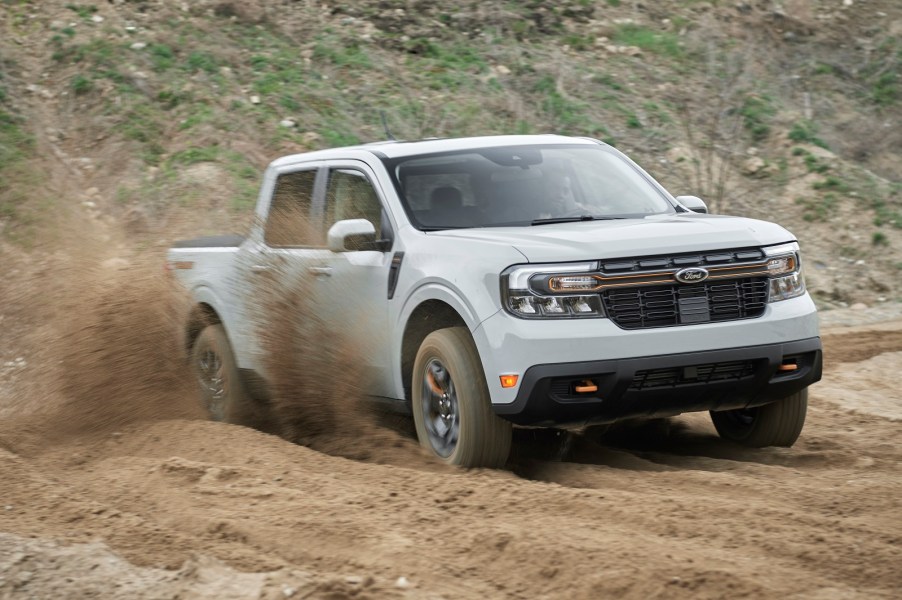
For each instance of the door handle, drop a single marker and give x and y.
(259, 268)
(324, 271)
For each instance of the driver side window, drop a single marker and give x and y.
(350, 195)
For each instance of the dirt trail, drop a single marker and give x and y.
(162, 504)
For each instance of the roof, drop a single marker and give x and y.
(400, 149)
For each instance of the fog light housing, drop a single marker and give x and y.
(784, 288)
(527, 305)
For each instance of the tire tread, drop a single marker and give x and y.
(485, 438)
(776, 424)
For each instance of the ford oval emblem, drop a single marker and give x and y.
(691, 275)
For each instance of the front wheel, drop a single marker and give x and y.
(451, 405)
(776, 424)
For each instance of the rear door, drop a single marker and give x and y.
(286, 245)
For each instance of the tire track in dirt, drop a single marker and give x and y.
(859, 345)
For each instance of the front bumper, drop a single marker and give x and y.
(508, 345)
(659, 386)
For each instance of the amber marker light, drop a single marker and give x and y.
(509, 381)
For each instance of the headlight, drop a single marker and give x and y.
(785, 269)
(522, 300)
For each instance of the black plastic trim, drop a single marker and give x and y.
(393, 271)
(618, 399)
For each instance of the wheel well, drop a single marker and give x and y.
(426, 318)
(201, 316)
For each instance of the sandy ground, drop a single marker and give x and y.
(112, 485)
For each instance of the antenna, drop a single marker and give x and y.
(385, 126)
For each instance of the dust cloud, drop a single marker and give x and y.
(106, 352)
(316, 380)
(108, 349)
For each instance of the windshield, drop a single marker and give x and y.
(522, 185)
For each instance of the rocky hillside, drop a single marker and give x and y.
(156, 116)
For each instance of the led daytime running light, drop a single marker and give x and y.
(566, 283)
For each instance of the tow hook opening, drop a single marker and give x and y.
(788, 365)
(585, 386)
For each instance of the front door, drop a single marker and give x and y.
(353, 285)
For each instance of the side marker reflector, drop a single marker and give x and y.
(788, 367)
(509, 381)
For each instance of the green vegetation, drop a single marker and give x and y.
(16, 147)
(831, 182)
(202, 61)
(806, 132)
(446, 67)
(15, 144)
(663, 43)
(885, 90)
(607, 80)
(82, 10)
(579, 42)
(334, 52)
(886, 213)
(817, 209)
(757, 111)
(162, 57)
(565, 115)
(815, 166)
(81, 85)
(811, 162)
(880, 75)
(879, 239)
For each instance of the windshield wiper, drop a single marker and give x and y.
(575, 219)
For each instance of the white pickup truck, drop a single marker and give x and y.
(516, 280)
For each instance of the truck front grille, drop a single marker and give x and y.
(668, 305)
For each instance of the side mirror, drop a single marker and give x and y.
(351, 235)
(693, 203)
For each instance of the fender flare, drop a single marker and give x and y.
(433, 290)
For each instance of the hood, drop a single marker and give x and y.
(660, 234)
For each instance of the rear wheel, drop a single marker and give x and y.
(776, 424)
(221, 389)
(451, 405)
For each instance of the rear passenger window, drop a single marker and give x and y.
(288, 223)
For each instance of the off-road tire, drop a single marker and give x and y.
(776, 424)
(484, 439)
(235, 404)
